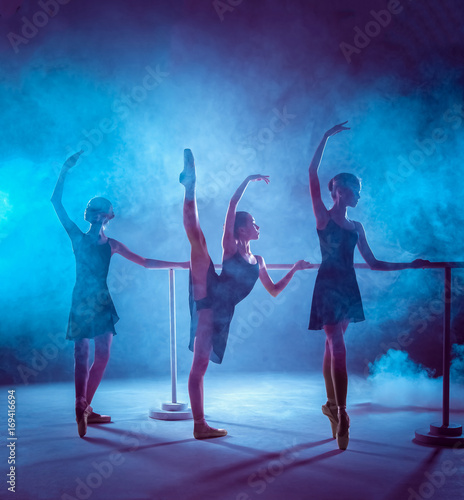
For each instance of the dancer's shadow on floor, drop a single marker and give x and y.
(411, 484)
(135, 440)
(249, 473)
(261, 457)
(260, 428)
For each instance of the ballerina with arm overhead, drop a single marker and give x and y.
(336, 299)
(213, 297)
(93, 314)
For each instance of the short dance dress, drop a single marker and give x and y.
(224, 292)
(336, 294)
(92, 310)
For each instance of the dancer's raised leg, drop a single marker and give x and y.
(199, 256)
(199, 265)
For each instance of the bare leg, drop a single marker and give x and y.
(199, 264)
(339, 376)
(81, 376)
(329, 409)
(102, 355)
(199, 256)
(327, 372)
(202, 351)
(81, 367)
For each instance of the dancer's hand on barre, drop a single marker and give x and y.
(275, 288)
(302, 264)
(336, 129)
(418, 263)
(259, 177)
(72, 160)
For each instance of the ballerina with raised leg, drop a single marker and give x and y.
(336, 298)
(213, 298)
(93, 314)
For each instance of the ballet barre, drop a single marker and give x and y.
(439, 434)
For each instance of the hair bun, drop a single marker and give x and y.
(331, 185)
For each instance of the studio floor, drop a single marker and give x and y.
(279, 445)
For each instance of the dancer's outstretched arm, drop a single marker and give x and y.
(56, 199)
(380, 265)
(275, 288)
(320, 210)
(229, 244)
(118, 247)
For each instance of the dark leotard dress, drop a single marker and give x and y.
(224, 292)
(336, 294)
(92, 310)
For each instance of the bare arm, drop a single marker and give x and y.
(57, 196)
(117, 247)
(380, 265)
(320, 210)
(229, 244)
(275, 288)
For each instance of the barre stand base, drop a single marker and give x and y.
(440, 435)
(171, 411)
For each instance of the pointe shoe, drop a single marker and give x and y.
(208, 432)
(96, 418)
(188, 176)
(188, 156)
(83, 411)
(333, 417)
(343, 433)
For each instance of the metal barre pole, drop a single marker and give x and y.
(447, 347)
(172, 321)
(172, 410)
(445, 434)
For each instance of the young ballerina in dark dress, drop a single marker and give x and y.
(213, 297)
(336, 298)
(93, 314)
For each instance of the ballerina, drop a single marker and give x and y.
(93, 314)
(213, 298)
(336, 298)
